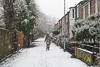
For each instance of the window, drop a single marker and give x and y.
(73, 13)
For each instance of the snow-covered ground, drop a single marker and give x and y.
(39, 57)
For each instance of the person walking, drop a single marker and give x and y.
(48, 41)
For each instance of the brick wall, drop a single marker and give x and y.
(80, 12)
(92, 6)
(6, 43)
(98, 5)
(67, 22)
(20, 39)
(84, 55)
(86, 11)
(62, 25)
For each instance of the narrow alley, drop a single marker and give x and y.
(39, 57)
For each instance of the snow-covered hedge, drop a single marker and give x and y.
(88, 28)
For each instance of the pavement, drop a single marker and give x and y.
(38, 57)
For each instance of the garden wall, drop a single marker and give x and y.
(6, 43)
(20, 39)
(84, 55)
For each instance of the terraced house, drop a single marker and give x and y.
(61, 26)
(82, 10)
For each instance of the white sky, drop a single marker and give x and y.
(55, 8)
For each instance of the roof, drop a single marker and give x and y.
(72, 7)
(85, 2)
(64, 15)
(82, 2)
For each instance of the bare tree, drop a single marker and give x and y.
(45, 23)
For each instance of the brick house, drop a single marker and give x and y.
(79, 10)
(93, 6)
(67, 22)
(61, 24)
(82, 10)
(67, 25)
(86, 9)
(89, 7)
(57, 26)
(98, 5)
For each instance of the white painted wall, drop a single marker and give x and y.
(96, 6)
(88, 8)
(70, 28)
(72, 21)
(77, 11)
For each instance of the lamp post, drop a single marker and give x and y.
(64, 26)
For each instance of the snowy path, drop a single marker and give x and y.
(39, 57)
